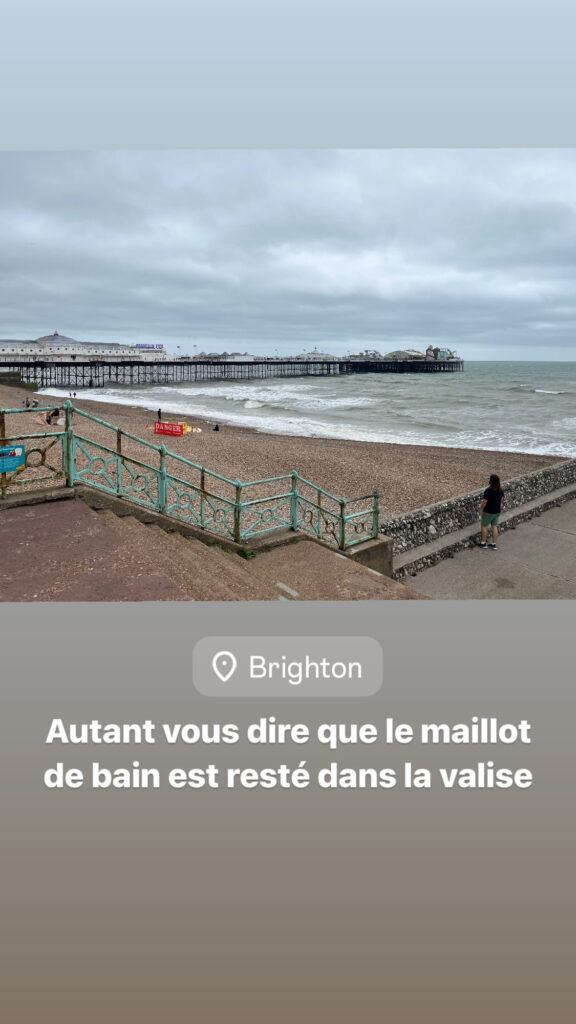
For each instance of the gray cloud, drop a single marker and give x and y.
(265, 250)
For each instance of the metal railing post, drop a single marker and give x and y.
(342, 539)
(202, 496)
(119, 462)
(238, 514)
(376, 514)
(294, 501)
(68, 448)
(162, 480)
(3, 476)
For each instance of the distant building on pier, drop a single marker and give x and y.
(224, 357)
(369, 353)
(52, 347)
(315, 356)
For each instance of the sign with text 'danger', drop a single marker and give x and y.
(174, 429)
(12, 458)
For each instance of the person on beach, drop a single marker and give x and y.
(159, 415)
(490, 508)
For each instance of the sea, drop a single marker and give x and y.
(500, 406)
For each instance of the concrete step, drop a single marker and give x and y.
(410, 562)
(39, 497)
(206, 572)
(185, 567)
(230, 567)
(189, 565)
(64, 551)
(302, 571)
(133, 537)
(310, 572)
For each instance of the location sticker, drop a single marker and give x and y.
(224, 664)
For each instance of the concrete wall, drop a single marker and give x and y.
(423, 525)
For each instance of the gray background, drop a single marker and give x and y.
(253, 906)
(286, 73)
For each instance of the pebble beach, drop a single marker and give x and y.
(407, 476)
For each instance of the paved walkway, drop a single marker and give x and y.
(536, 560)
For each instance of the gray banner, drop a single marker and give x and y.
(247, 906)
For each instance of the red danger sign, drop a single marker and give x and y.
(174, 429)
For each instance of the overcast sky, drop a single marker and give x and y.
(282, 250)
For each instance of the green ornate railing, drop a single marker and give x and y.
(179, 488)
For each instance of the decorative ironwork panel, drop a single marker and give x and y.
(361, 519)
(183, 501)
(320, 522)
(219, 516)
(358, 528)
(96, 465)
(208, 511)
(42, 463)
(265, 515)
(138, 482)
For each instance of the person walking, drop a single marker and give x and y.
(159, 415)
(490, 509)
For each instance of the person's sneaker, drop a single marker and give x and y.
(493, 546)
(482, 544)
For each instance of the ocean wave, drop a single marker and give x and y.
(527, 390)
(481, 411)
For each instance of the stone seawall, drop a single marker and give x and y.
(423, 525)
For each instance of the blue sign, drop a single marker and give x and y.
(12, 458)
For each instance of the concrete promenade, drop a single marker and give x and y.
(534, 561)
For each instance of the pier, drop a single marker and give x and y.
(100, 373)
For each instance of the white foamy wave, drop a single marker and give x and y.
(496, 407)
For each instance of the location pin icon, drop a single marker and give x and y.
(224, 664)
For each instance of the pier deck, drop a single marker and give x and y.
(71, 374)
